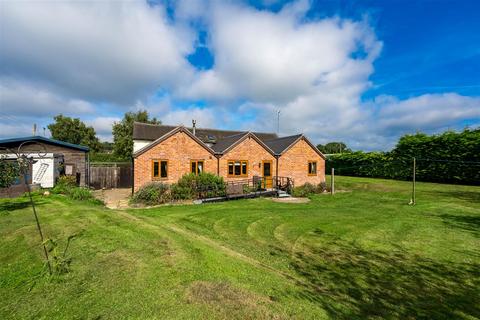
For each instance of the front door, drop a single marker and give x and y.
(267, 173)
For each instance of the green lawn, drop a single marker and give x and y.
(363, 253)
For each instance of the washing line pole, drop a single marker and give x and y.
(332, 187)
(413, 200)
(278, 121)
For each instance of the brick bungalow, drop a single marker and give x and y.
(165, 153)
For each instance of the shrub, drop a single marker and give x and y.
(10, 172)
(78, 193)
(322, 187)
(182, 192)
(190, 185)
(152, 194)
(308, 189)
(107, 157)
(65, 184)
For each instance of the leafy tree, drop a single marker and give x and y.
(333, 147)
(74, 131)
(123, 132)
(107, 147)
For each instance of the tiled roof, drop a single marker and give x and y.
(218, 140)
(143, 131)
(226, 142)
(278, 145)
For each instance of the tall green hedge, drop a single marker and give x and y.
(452, 157)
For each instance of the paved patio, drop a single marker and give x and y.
(114, 198)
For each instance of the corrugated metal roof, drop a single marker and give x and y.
(17, 141)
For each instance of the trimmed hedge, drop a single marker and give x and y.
(452, 157)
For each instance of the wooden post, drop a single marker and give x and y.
(413, 187)
(332, 187)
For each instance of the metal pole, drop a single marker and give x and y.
(414, 171)
(278, 122)
(332, 187)
(38, 222)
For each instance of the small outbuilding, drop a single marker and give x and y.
(51, 159)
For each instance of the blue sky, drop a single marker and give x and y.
(363, 72)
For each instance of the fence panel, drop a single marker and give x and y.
(111, 175)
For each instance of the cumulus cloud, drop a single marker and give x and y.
(426, 112)
(205, 117)
(101, 51)
(103, 126)
(57, 56)
(10, 129)
(275, 57)
(30, 99)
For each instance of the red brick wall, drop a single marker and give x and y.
(294, 164)
(178, 149)
(250, 150)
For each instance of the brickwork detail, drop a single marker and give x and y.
(294, 164)
(179, 150)
(250, 150)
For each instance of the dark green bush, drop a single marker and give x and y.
(152, 194)
(452, 157)
(191, 186)
(182, 192)
(10, 172)
(107, 157)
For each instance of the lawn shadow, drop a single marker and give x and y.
(350, 282)
(467, 223)
(470, 196)
(16, 204)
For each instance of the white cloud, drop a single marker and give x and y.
(426, 112)
(205, 117)
(103, 51)
(275, 57)
(103, 127)
(77, 54)
(12, 129)
(30, 99)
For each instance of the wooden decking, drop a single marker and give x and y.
(263, 193)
